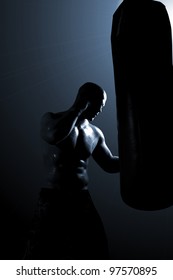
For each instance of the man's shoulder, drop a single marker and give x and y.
(98, 132)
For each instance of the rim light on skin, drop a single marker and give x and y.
(101, 106)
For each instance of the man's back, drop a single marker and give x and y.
(68, 163)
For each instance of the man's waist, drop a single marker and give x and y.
(72, 165)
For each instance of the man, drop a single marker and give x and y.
(76, 139)
(68, 225)
(142, 60)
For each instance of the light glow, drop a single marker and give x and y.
(169, 7)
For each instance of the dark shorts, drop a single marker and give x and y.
(66, 226)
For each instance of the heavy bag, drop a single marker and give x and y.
(142, 61)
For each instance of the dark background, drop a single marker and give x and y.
(48, 49)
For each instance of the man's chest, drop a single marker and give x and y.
(80, 141)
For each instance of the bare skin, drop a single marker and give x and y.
(76, 139)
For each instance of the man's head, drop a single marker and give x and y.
(96, 97)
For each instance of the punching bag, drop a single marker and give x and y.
(142, 61)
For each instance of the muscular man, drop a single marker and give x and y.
(69, 226)
(142, 59)
(76, 139)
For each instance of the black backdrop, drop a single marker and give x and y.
(48, 49)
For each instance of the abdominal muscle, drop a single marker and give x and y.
(70, 177)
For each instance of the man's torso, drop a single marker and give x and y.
(68, 160)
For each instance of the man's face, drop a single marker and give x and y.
(95, 108)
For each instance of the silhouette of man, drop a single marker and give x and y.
(142, 59)
(68, 226)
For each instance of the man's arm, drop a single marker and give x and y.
(103, 156)
(55, 127)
